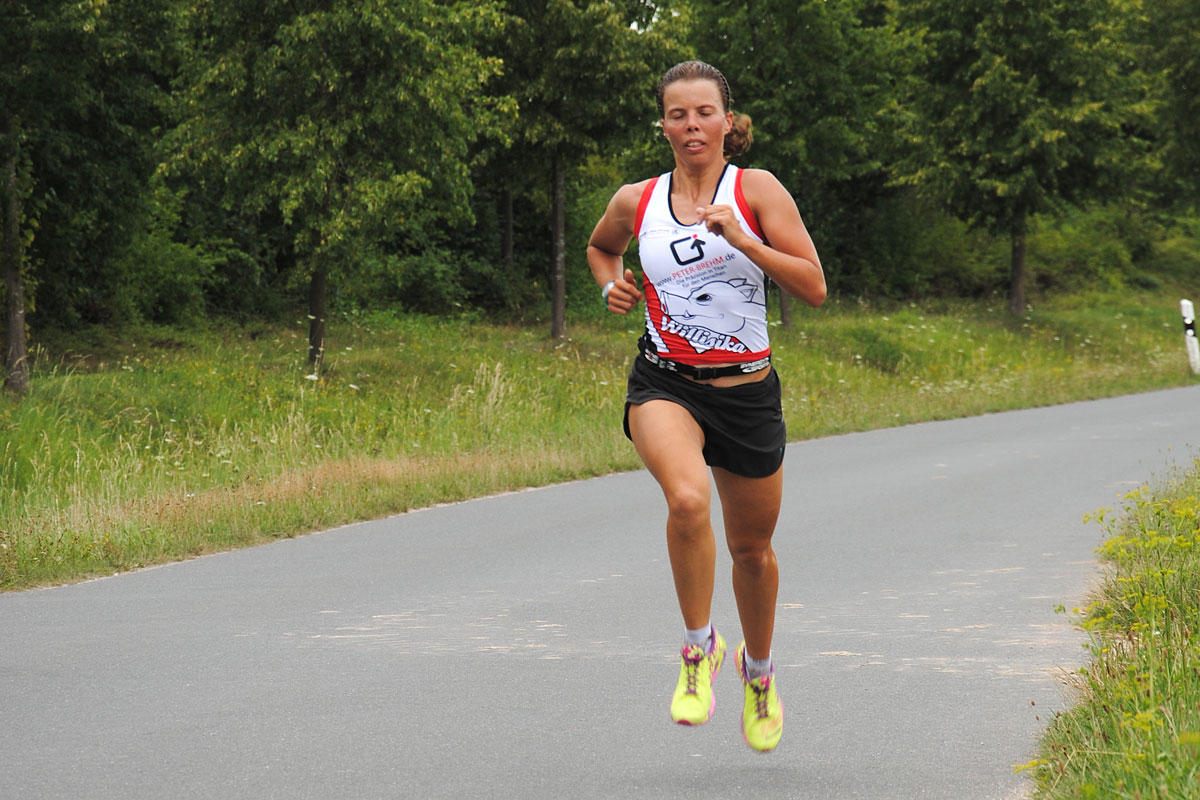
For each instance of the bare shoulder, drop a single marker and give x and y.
(622, 208)
(629, 195)
(615, 228)
(759, 184)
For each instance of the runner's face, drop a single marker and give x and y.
(694, 121)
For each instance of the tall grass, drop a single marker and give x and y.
(137, 449)
(1135, 729)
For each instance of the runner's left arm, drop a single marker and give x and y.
(788, 257)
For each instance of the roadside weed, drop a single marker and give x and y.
(1134, 731)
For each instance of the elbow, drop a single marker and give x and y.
(806, 283)
(814, 293)
(818, 295)
(594, 249)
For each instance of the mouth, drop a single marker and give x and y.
(694, 145)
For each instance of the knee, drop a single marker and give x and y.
(688, 507)
(754, 556)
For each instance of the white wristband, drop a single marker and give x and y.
(604, 292)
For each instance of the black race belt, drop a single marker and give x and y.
(700, 373)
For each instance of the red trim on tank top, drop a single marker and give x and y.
(744, 206)
(642, 205)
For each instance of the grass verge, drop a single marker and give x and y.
(1134, 732)
(140, 448)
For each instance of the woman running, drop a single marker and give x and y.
(702, 394)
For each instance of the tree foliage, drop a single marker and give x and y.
(1020, 107)
(349, 122)
(583, 76)
(819, 78)
(82, 86)
(1166, 35)
(166, 158)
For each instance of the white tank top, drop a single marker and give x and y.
(705, 299)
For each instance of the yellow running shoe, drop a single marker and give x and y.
(762, 714)
(694, 701)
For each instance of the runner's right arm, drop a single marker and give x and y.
(607, 247)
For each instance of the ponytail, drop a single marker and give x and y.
(740, 137)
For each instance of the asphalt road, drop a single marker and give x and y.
(525, 646)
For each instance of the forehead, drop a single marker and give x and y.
(691, 93)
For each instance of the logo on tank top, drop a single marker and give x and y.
(688, 250)
(709, 316)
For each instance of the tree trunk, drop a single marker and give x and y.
(1016, 292)
(558, 310)
(506, 243)
(316, 316)
(785, 309)
(16, 360)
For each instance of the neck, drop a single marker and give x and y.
(698, 183)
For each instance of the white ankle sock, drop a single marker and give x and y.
(756, 667)
(700, 636)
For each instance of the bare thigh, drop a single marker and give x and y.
(671, 444)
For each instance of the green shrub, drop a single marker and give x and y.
(1177, 259)
(162, 280)
(434, 281)
(1077, 253)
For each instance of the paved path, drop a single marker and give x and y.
(524, 646)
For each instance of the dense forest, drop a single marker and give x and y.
(167, 161)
